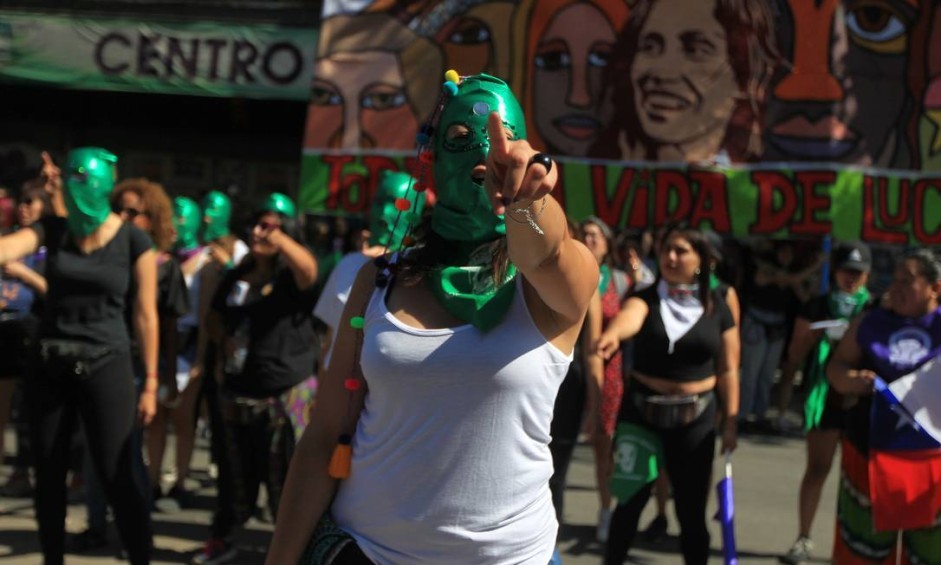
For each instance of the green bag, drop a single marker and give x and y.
(638, 455)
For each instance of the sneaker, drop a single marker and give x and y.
(182, 496)
(604, 524)
(656, 530)
(217, 551)
(18, 485)
(89, 540)
(799, 552)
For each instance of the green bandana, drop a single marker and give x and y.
(468, 292)
(89, 181)
(383, 228)
(843, 306)
(463, 211)
(186, 221)
(217, 211)
(605, 278)
(638, 455)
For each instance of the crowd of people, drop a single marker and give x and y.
(419, 400)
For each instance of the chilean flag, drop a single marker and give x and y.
(905, 450)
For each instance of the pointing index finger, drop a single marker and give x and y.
(499, 145)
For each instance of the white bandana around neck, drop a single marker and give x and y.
(679, 311)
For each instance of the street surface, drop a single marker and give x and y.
(766, 476)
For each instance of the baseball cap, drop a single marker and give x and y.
(854, 256)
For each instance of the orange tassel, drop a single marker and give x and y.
(340, 460)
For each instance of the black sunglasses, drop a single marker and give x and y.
(129, 213)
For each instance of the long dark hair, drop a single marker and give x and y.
(700, 244)
(752, 54)
(428, 250)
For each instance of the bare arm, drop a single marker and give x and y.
(301, 262)
(561, 270)
(309, 488)
(735, 306)
(29, 277)
(727, 373)
(593, 363)
(17, 245)
(803, 340)
(145, 322)
(842, 369)
(624, 326)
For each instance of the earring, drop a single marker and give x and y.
(697, 270)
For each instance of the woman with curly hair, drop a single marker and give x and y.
(691, 79)
(147, 206)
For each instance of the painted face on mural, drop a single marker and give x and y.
(850, 104)
(931, 127)
(358, 100)
(683, 82)
(477, 40)
(569, 66)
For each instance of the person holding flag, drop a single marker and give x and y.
(889, 501)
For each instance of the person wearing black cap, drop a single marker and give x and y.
(817, 330)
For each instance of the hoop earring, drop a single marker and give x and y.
(697, 270)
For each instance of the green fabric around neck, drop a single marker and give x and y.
(841, 307)
(605, 278)
(467, 290)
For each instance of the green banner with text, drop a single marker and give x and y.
(879, 206)
(203, 59)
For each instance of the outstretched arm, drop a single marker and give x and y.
(561, 270)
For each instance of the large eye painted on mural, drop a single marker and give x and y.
(382, 97)
(324, 94)
(877, 26)
(470, 32)
(599, 55)
(552, 56)
(651, 44)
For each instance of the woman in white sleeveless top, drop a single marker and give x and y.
(464, 342)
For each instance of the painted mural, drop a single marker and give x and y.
(847, 90)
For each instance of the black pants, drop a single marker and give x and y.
(688, 453)
(566, 423)
(260, 444)
(106, 401)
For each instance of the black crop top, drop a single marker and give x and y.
(694, 355)
(87, 293)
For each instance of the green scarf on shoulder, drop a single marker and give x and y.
(842, 306)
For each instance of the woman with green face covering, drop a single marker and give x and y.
(436, 407)
(84, 358)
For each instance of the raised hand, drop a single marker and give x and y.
(511, 173)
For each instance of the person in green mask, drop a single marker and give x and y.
(99, 268)
(456, 348)
(388, 227)
(817, 331)
(186, 221)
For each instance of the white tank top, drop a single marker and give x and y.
(451, 459)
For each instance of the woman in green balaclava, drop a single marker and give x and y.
(446, 367)
(85, 360)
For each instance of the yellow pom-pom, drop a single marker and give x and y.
(340, 460)
(452, 76)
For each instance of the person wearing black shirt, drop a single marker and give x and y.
(85, 351)
(690, 347)
(266, 307)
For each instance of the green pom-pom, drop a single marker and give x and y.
(356, 322)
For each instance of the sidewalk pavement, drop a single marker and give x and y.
(767, 473)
